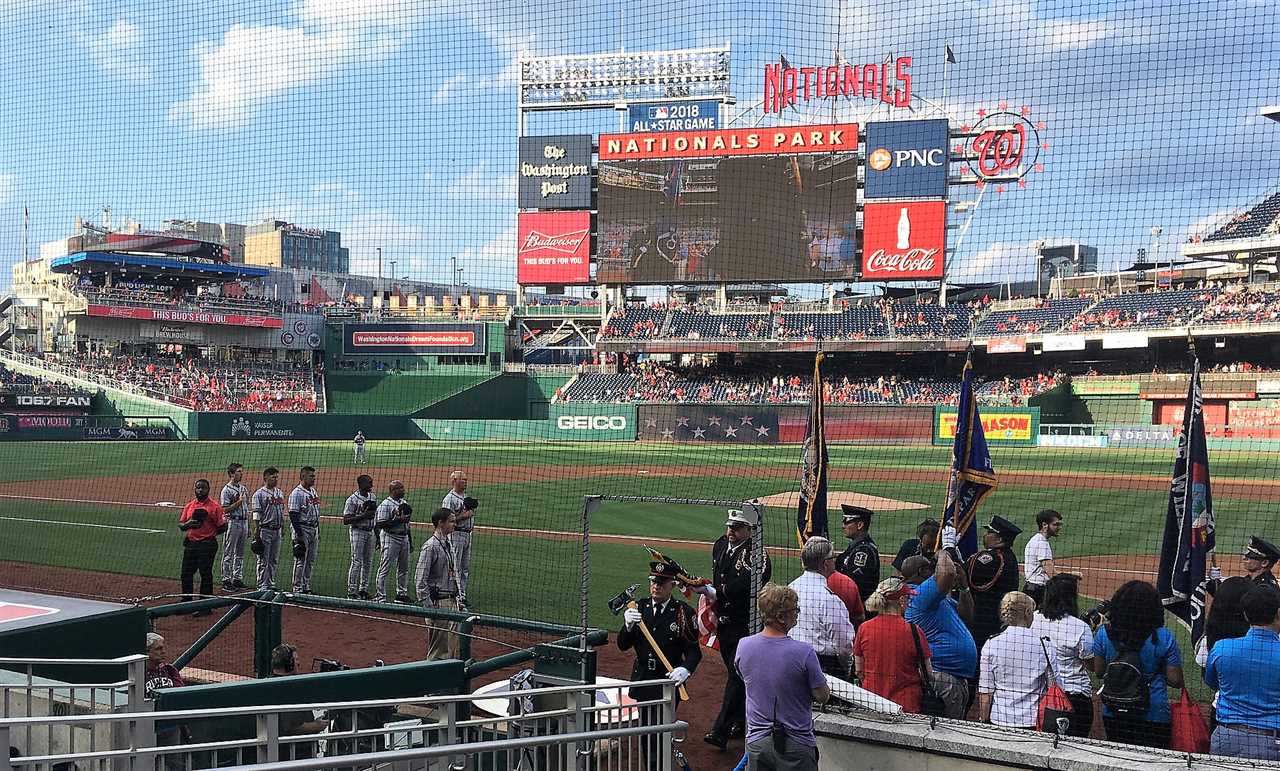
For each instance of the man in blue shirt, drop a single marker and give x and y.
(1246, 673)
(941, 619)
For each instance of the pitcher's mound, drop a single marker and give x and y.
(835, 498)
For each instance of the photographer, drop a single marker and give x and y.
(201, 521)
(437, 581)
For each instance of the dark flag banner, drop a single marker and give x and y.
(1188, 525)
(972, 476)
(811, 514)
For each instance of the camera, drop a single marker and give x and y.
(1098, 614)
(328, 665)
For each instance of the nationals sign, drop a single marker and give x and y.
(719, 143)
(189, 317)
(903, 241)
(553, 248)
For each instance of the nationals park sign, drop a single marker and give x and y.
(719, 143)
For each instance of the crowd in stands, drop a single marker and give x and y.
(232, 297)
(17, 382)
(1245, 306)
(656, 382)
(208, 386)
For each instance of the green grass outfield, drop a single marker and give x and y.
(536, 575)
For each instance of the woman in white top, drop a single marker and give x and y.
(1070, 642)
(1012, 676)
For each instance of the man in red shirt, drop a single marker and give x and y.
(201, 521)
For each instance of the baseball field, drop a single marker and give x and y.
(110, 509)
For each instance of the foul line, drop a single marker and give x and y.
(82, 524)
(85, 500)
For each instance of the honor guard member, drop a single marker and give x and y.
(437, 582)
(464, 511)
(304, 518)
(861, 560)
(731, 591)
(268, 518)
(1258, 559)
(235, 502)
(358, 514)
(993, 572)
(392, 520)
(671, 622)
(358, 444)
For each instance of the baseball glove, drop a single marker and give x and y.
(299, 550)
(370, 507)
(199, 514)
(405, 510)
(256, 547)
(470, 504)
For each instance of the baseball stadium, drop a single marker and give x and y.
(690, 387)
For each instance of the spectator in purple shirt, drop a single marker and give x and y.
(783, 679)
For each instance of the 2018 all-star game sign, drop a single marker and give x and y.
(904, 240)
(553, 248)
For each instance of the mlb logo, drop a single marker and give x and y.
(659, 113)
(17, 611)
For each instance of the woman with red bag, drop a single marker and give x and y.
(884, 651)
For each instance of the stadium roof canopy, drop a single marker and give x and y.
(107, 262)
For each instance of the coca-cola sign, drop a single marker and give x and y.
(553, 248)
(904, 240)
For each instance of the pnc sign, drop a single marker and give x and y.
(907, 159)
(904, 241)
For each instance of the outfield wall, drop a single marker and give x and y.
(565, 423)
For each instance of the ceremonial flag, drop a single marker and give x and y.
(972, 476)
(950, 55)
(1188, 524)
(811, 514)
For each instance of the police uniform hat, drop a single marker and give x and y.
(1004, 528)
(855, 514)
(1260, 549)
(741, 517)
(661, 570)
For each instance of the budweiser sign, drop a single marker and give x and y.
(553, 248)
(904, 240)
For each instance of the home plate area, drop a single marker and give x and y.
(837, 498)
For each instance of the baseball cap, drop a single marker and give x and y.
(915, 564)
(741, 517)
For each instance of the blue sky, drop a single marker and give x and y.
(395, 122)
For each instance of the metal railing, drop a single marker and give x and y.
(561, 727)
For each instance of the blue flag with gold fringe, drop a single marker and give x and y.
(811, 514)
(972, 476)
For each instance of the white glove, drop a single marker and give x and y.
(707, 591)
(1215, 573)
(948, 537)
(678, 675)
(632, 616)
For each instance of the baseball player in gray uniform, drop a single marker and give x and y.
(304, 518)
(358, 444)
(456, 501)
(358, 514)
(268, 518)
(235, 502)
(392, 521)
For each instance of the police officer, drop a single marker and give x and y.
(993, 572)
(731, 591)
(861, 560)
(1258, 559)
(671, 623)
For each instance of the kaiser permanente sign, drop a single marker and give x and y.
(1016, 426)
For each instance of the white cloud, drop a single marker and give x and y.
(999, 261)
(8, 186)
(1066, 35)
(492, 264)
(118, 51)
(480, 182)
(448, 89)
(356, 13)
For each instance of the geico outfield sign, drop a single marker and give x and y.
(1001, 425)
(591, 423)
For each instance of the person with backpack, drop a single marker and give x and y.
(1139, 661)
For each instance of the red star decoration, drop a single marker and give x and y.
(1026, 110)
(1039, 125)
(966, 128)
(958, 149)
(982, 113)
(1039, 167)
(1004, 105)
(1022, 182)
(999, 188)
(981, 184)
(1044, 145)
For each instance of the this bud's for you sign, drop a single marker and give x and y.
(553, 248)
(555, 172)
(905, 240)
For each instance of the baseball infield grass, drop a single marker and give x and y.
(1113, 500)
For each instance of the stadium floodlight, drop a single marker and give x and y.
(596, 81)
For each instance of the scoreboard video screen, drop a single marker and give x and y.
(755, 218)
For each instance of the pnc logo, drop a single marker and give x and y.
(591, 423)
(881, 158)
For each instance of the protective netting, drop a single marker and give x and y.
(576, 249)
